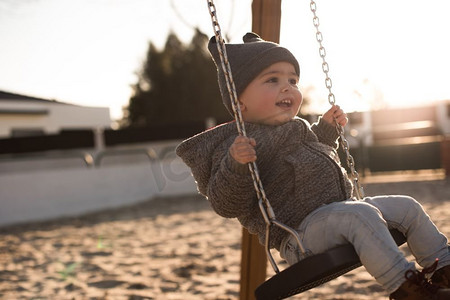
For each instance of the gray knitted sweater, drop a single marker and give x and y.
(298, 166)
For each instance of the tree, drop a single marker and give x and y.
(177, 85)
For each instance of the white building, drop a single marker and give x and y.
(24, 115)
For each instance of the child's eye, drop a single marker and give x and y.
(293, 81)
(272, 80)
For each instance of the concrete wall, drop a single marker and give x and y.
(52, 193)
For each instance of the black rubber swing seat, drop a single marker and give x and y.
(314, 271)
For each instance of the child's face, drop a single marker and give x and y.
(273, 97)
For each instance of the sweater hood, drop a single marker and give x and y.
(193, 150)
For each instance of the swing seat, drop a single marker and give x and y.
(314, 271)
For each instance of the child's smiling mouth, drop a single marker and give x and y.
(285, 103)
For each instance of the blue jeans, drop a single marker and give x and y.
(365, 224)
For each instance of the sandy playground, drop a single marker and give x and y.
(168, 248)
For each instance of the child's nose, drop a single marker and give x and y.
(286, 87)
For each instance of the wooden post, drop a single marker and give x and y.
(266, 19)
(253, 265)
(266, 23)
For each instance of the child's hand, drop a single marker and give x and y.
(243, 150)
(335, 115)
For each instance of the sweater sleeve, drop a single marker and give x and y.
(326, 133)
(230, 189)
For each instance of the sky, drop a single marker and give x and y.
(384, 53)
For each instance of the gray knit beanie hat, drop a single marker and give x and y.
(247, 60)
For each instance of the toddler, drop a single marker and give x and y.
(303, 179)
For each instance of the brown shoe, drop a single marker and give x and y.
(418, 287)
(441, 277)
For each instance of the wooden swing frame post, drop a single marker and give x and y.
(266, 19)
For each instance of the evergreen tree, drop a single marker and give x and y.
(177, 85)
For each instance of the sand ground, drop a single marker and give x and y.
(168, 248)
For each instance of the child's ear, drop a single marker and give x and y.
(242, 106)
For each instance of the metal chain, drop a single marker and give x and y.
(225, 64)
(359, 192)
